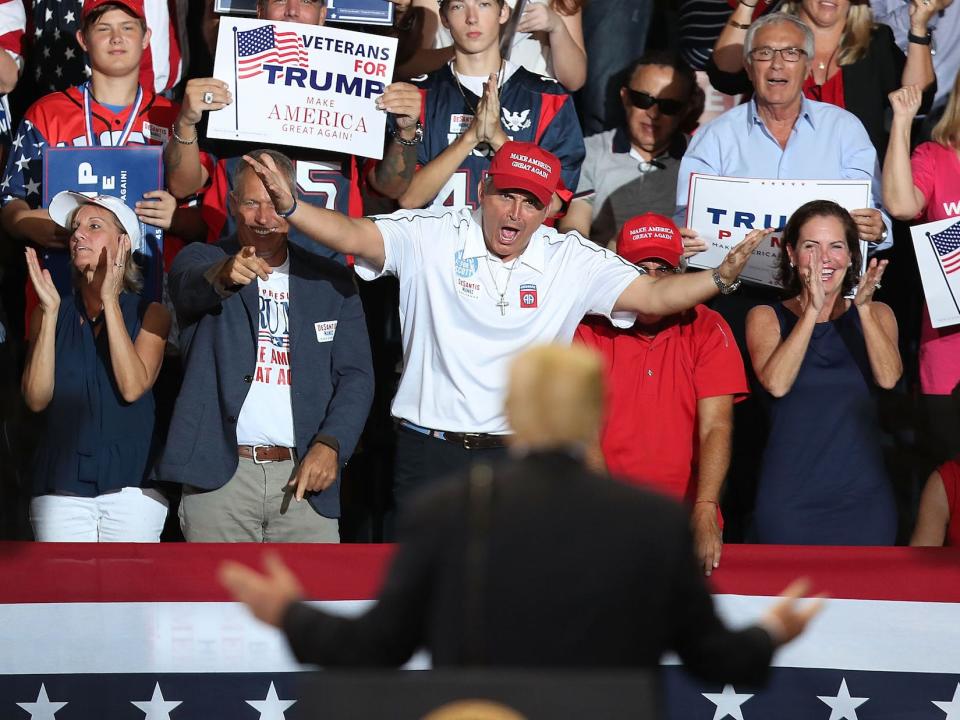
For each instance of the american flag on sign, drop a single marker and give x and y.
(947, 244)
(266, 45)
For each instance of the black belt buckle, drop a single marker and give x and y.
(474, 441)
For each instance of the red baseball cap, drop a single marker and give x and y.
(526, 166)
(650, 236)
(134, 6)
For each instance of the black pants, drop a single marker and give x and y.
(422, 460)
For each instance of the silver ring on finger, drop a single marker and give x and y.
(208, 98)
(877, 286)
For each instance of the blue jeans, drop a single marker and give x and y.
(615, 34)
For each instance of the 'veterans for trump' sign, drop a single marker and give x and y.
(302, 85)
(724, 209)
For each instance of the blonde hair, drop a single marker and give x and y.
(857, 31)
(555, 397)
(947, 130)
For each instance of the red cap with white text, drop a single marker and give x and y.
(526, 166)
(650, 236)
(134, 6)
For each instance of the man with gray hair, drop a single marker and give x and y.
(277, 380)
(780, 133)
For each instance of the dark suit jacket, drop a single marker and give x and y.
(578, 570)
(332, 386)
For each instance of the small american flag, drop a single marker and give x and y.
(266, 45)
(947, 244)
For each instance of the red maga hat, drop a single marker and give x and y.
(134, 6)
(526, 166)
(650, 236)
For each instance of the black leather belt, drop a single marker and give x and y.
(469, 441)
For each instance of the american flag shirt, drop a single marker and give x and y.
(58, 119)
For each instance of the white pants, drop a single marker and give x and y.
(129, 515)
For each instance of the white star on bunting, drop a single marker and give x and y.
(43, 708)
(32, 188)
(728, 703)
(156, 707)
(950, 707)
(842, 706)
(272, 707)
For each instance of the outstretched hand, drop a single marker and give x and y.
(740, 254)
(273, 181)
(786, 619)
(267, 595)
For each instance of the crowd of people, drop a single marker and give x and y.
(533, 189)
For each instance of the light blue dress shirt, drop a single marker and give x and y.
(826, 143)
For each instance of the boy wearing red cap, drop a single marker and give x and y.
(671, 385)
(111, 109)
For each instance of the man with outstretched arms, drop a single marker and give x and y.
(476, 287)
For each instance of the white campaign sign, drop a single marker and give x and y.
(302, 85)
(941, 280)
(724, 209)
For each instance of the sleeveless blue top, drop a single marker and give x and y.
(823, 479)
(93, 441)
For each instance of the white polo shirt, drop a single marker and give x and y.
(457, 344)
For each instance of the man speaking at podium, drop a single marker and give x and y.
(512, 565)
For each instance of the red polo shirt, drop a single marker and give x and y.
(653, 384)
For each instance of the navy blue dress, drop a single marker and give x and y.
(822, 480)
(92, 441)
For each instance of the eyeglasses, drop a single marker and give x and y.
(645, 101)
(766, 53)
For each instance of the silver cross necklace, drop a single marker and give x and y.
(503, 303)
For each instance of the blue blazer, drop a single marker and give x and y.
(332, 386)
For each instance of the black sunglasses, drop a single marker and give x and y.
(645, 101)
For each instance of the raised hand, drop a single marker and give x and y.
(539, 17)
(812, 280)
(273, 181)
(736, 260)
(243, 268)
(156, 208)
(906, 101)
(402, 100)
(692, 242)
(110, 270)
(870, 282)
(201, 95)
(43, 284)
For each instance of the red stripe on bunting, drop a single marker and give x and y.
(181, 572)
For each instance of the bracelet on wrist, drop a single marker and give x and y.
(181, 140)
(711, 502)
(417, 137)
(289, 211)
(920, 39)
(738, 25)
(748, 4)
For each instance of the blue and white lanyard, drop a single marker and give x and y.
(92, 139)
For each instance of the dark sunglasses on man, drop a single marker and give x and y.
(645, 101)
